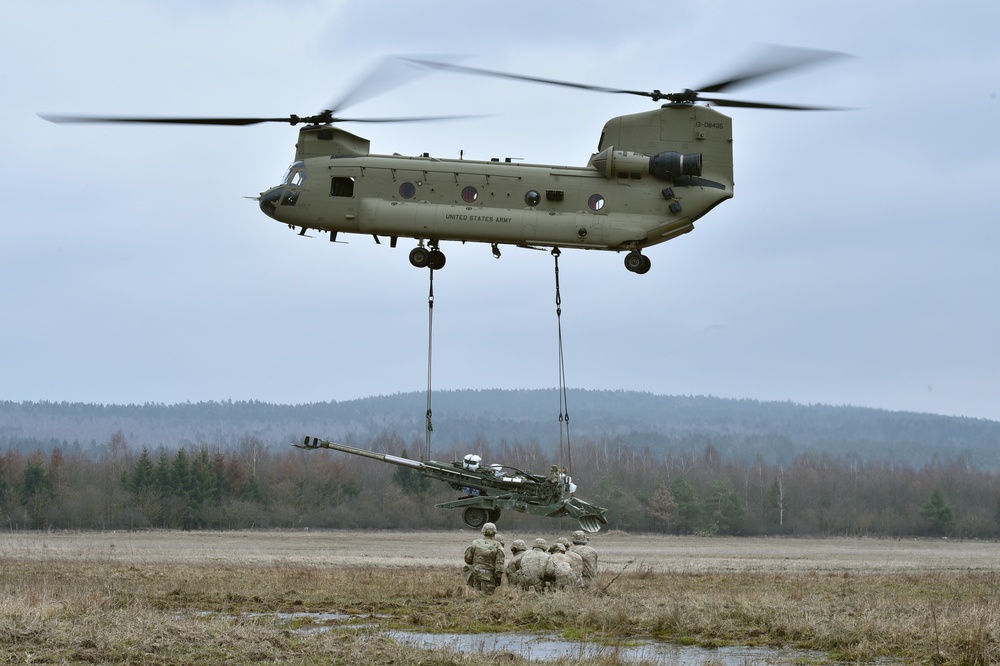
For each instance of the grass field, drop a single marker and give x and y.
(254, 597)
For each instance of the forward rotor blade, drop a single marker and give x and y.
(325, 117)
(413, 119)
(388, 73)
(168, 120)
(462, 69)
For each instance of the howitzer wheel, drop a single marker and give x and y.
(475, 517)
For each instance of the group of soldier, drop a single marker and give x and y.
(565, 564)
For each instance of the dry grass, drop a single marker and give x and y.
(214, 598)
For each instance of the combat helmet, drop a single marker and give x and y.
(580, 537)
(518, 546)
(540, 544)
(489, 529)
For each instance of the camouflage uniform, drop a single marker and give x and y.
(514, 566)
(532, 571)
(486, 558)
(589, 555)
(559, 568)
(576, 560)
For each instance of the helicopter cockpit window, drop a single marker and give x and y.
(595, 202)
(532, 198)
(296, 175)
(341, 187)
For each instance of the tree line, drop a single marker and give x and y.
(254, 485)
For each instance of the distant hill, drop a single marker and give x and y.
(743, 429)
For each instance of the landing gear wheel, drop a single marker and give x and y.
(436, 260)
(420, 257)
(637, 262)
(475, 517)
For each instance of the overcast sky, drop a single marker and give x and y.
(857, 264)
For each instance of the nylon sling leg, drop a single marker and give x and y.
(430, 346)
(563, 402)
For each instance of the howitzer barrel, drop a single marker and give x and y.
(317, 443)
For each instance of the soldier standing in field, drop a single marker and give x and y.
(486, 558)
(582, 548)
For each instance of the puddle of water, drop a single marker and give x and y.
(545, 647)
(551, 646)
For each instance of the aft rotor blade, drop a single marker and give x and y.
(766, 105)
(770, 61)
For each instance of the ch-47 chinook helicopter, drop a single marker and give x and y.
(653, 176)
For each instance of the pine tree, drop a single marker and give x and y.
(940, 514)
(688, 505)
(662, 506)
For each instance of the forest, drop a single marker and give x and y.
(251, 484)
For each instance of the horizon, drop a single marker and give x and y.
(554, 391)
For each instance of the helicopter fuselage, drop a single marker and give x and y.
(653, 176)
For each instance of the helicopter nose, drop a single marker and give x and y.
(269, 200)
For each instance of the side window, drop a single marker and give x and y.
(595, 202)
(341, 187)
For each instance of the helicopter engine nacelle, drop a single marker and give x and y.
(666, 165)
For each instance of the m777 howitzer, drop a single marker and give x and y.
(489, 489)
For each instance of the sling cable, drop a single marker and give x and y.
(564, 450)
(430, 345)
(565, 447)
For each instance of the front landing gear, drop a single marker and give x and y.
(432, 258)
(637, 262)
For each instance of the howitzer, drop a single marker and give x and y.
(489, 489)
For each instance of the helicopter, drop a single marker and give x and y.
(653, 176)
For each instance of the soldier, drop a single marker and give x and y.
(532, 570)
(589, 555)
(486, 558)
(576, 561)
(517, 550)
(559, 569)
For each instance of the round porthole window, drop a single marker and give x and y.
(470, 194)
(595, 202)
(407, 190)
(532, 198)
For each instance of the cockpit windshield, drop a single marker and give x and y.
(296, 174)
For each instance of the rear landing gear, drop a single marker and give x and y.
(436, 261)
(637, 262)
(422, 257)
